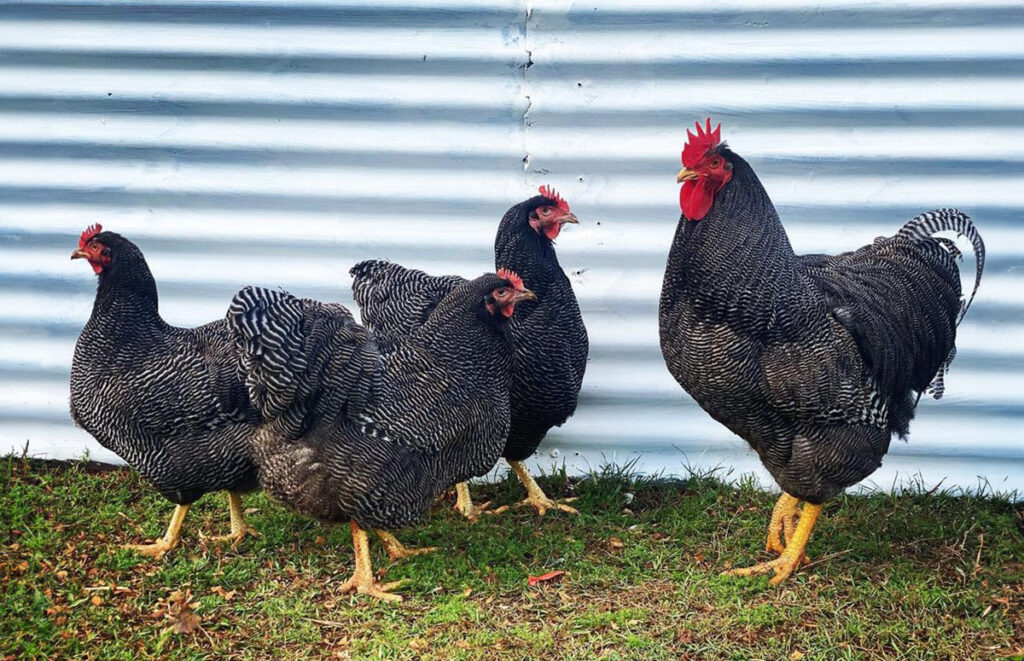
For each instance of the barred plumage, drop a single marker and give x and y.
(549, 337)
(815, 360)
(167, 400)
(359, 432)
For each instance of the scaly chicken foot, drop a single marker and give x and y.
(397, 550)
(464, 503)
(783, 522)
(239, 528)
(535, 496)
(792, 555)
(363, 580)
(169, 541)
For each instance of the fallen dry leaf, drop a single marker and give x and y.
(185, 621)
(96, 600)
(226, 595)
(181, 617)
(534, 580)
(796, 655)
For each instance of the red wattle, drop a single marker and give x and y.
(550, 230)
(695, 199)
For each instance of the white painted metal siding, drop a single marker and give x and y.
(277, 143)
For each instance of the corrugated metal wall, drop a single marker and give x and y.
(277, 143)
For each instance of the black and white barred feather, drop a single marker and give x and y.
(815, 360)
(167, 400)
(393, 300)
(364, 432)
(548, 334)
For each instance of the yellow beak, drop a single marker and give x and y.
(569, 218)
(686, 175)
(79, 254)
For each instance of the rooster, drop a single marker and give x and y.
(549, 336)
(167, 400)
(368, 433)
(815, 360)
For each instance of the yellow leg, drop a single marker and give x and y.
(782, 523)
(363, 581)
(170, 538)
(396, 549)
(535, 496)
(793, 554)
(464, 503)
(239, 528)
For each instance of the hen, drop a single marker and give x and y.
(371, 435)
(548, 334)
(816, 361)
(167, 400)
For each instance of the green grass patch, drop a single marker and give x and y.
(910, 576)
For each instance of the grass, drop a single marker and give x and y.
(909, 576)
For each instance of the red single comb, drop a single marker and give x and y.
(510, 275)
(88, 234)
(700, 144)
(548, 191)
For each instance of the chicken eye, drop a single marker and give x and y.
(500, 293)
(716, 162)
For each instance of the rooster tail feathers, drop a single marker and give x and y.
(925, 228)
(930, 223)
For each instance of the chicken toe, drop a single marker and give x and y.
(170, 539)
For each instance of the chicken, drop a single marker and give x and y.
(167, 400)
(549, 336)
(356, 432)
(816, 361)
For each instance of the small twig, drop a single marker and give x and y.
(963, 543)
(827, 558)
(977, 559)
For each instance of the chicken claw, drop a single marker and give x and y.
(169, 541)
(397, 550)
(239, 528)
(464, 503)
(362, 580)
(792, 556)
(535, 498)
